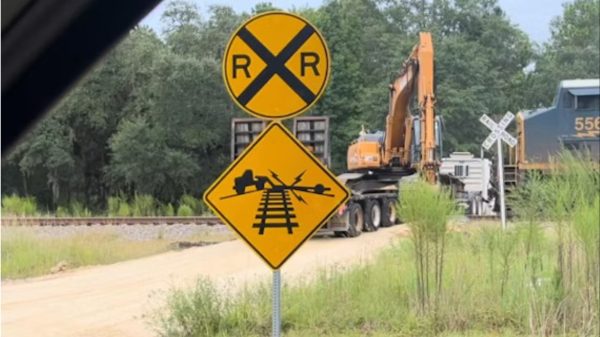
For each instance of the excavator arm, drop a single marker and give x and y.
(417, 69)
(417, 74)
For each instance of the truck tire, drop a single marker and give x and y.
(339, 234)
(372, 215)
(356, 220)
(388, 212)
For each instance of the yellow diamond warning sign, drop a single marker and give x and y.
(276, 195)
(276, 65)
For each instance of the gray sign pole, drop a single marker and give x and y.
(276, 303)
(501, 183)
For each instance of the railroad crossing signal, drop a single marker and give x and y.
(498, 133)
(276, 65)
(275, 195)
(498, 130)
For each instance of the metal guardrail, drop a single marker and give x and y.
(88, 221)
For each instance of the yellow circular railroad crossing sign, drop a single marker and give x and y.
(276, 65)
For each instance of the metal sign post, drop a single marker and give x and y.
(498, 134)
(276, 331)
(501, 183)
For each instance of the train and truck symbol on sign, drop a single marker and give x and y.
(276, 206)
(247, 179)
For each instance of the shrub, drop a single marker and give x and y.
(196, 205)
(114, 203)
(168, 210)
(77, 209)
(566, 197)
(199, 312)
(143, 205)
(19, 206)
(124, 210)
(427, 209)
(62, 211)
(184, 210)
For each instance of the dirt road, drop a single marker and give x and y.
(110, 300)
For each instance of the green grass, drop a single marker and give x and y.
(116, 206)
(479, 297)
(25, 254)
(380, 299)
(13, 205)
(527, 281)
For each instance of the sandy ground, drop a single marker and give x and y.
(111, 300)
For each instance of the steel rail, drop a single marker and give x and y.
(88, 221)
(148, 220)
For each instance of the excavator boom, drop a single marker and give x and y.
(395, 150)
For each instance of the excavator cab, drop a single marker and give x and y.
(366, 151)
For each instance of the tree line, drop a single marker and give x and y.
(153, 116)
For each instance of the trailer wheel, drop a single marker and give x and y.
(356, 220)
(388, 214)
(372, 215)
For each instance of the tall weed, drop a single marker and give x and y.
(184, 210)
(168, 210)
(564, 197)
(195, 204)
(143, 205)
(427, 209)
(13, 205)
(77, 209)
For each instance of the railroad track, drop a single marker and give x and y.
(168, 220)
(88, 221)
(275, 211)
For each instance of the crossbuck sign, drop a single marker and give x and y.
(498, 133)
(498, 130)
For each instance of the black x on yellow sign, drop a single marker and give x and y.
(276, 65)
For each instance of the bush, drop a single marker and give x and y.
(124, 210)
(567, 197)
(427, 210)
(77, 209)
(185, 210)
(375, 299)
(143, 205)
(62, 211)
(114, 203)
(19, 206)
(168, 210)
(196, 205)
(199, 312)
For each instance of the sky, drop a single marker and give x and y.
(532, 16)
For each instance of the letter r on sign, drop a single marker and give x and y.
(309, 59)
(241, 61)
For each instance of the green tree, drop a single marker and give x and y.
(573, 52)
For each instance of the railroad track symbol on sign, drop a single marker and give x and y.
(276, 208)
(276, 195)
(276, 65)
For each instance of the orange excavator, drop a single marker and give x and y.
(367, 153)
(410, 143)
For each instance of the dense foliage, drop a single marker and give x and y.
(153, 117)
